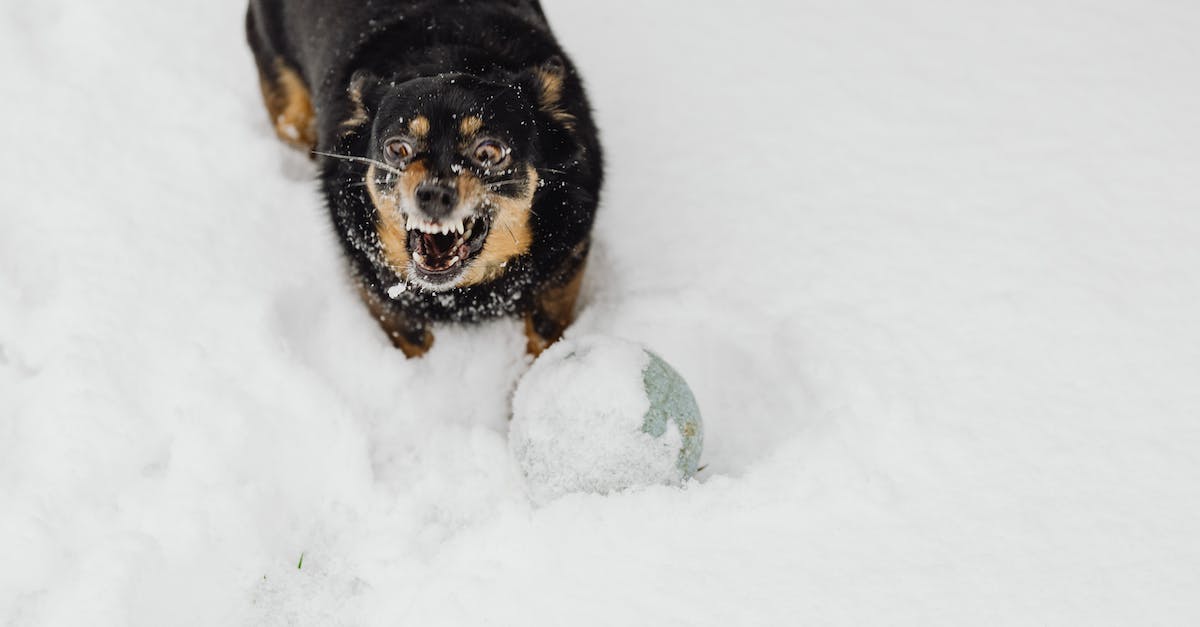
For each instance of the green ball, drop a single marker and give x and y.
(600, 414)
(671, 400)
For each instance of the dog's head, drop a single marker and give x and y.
(454, 165)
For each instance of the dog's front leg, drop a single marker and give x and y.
(410, 335)
(554, 306)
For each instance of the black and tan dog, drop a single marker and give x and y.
(457, 153)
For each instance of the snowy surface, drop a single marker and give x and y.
(578, 417)
(931, 268)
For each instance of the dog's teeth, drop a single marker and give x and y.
(460, 227)
(453, 260)
(419, 257)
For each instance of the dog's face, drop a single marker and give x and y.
(453, 171)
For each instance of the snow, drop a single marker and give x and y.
(578, 422)
(930, 269)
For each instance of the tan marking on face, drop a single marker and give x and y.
(393, 239)
(470, 125)
(470, 190)
(510, 235)
(419, 126)
(410, 178)
(290, 107)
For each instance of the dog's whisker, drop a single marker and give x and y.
(378, 164)
(503, 183)
(510, 233)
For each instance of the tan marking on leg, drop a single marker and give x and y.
(535, 343)
(419, 126)
(557, 304)
(415, 349)
(510, 235)
(470, 125)
(413, 343)
(290, 107)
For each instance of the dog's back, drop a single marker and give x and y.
(321, 39)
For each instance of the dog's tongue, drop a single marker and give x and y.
(437, 245)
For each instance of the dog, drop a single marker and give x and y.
(456, 153)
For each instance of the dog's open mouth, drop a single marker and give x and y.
(440, 250)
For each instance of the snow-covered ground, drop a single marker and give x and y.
(932, 269)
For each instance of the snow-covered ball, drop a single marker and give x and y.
(598, 414)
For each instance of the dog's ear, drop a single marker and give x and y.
(550, 74)
(365, 92)
(549, 81)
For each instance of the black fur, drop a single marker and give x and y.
(442, 59)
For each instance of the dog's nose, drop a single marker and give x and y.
(435, 199)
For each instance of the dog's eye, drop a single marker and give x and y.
(397, 151)
(490, 153)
